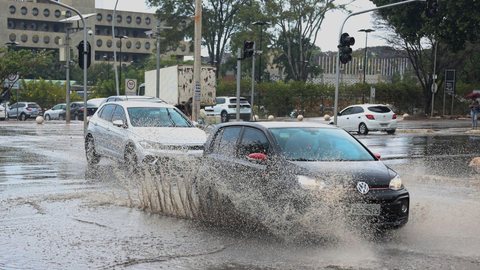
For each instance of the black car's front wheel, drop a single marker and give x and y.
(92, 156)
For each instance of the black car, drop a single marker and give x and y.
(265, 170)
(77, 108)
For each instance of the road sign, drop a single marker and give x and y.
(130, 86)
(450, 81)
(13, 77)
(434, 87)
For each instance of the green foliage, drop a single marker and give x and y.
(280, 98)
(45, 93)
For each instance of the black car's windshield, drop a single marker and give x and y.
(157, 117)
(319, 144)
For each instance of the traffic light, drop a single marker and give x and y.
(431, 8)
(248, 49)
(344, 48)
(81, 53)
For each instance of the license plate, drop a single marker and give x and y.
(365, 209)
(384, 124)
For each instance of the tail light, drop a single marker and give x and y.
(81, 109)
(29, 109)
(394, 116)
(370, 116)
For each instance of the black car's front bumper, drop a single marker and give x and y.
(394, 207)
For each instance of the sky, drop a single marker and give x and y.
(328, 35)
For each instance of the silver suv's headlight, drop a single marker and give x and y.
(310, 183)
(396, 183)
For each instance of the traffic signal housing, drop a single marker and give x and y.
(431, 8)
(344, 48)
(248, 49)
(81, 52)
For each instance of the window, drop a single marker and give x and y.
(99, 43)
(128, 44)
(46, 39)
(12, 9)
(138, 20)
(99, 17)
(119, 18)
(347, 111)
(35, 11)
(147, 45)
(253, 141)
(35, 38)
(24, 11)
(107, 112)
(129, 19)
(58, 13)
(57, 107)
(225, 141)
(11, 24)
(68, 14)
(357, 110)
(157, 117)
(220, 100)
(148, 20)
(109, 43)
(12, 37)
(46, 12)
(24, 38)
(379, 109)
(109, 17)
(119, 114)
(138, 45)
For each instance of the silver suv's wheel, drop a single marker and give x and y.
(92, 156)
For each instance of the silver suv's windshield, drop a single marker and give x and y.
(319, 144)
(157, 117)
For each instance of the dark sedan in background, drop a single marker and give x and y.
(258, 168)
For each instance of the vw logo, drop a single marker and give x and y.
(362, 187)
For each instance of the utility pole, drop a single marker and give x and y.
(365, 59)
(197, 64)
(239, 67)
(253, 85)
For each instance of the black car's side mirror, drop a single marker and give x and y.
(257, 157)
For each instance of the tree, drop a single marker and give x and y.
(23, 63)
(451, 29)
(219, 22)
(298, 23)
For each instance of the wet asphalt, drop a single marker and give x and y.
(55, 215)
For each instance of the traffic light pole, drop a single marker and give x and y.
(239, 67)
(85, 53)
(253, 85)
(337, 80)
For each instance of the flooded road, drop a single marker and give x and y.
(55, 216)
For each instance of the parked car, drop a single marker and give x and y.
(136, 98)
(57, 112)
(77, 108)
(367, 117)
(226, 107)
(3, 113)
(24, 110)
(288, 166)
(135, 131)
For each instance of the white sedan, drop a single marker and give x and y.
(367, 117)
(3, 113)
(135, 131)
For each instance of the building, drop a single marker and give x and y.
(36, 24)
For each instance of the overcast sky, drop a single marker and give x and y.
(328, 37)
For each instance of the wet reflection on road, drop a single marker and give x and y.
(53, 217)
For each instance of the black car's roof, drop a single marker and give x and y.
(279, 124)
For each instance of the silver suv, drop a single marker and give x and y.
(24, 110)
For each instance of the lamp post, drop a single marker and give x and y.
(365, 59)
(120, 56)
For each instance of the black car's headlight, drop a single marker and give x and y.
(310, 183)
(396, 183)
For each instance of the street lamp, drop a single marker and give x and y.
(365, 59)
(261, 24)
(120, 56)
(259, 53)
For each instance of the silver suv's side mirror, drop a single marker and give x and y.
(119, 123)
